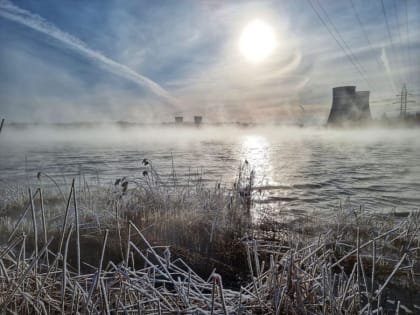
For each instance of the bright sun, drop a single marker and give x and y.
(257, 41)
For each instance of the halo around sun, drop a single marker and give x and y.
(257, 41)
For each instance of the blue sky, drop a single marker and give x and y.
(149, 60)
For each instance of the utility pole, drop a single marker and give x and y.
(1, 124)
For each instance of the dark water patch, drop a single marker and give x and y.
(307, 186)
(373, 177)
(273, 187)
(275, 200)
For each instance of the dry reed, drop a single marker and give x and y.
(343, 266)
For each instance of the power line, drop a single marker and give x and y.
(342, 39)
(338, 42)
(397, 24)
(361, 24)
(389, 31)
(408, 39)
(380, 65)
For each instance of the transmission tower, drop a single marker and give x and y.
(403, 100)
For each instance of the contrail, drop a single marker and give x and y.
(12, 12)
(385, 61)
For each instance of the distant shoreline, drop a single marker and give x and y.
(390, 123)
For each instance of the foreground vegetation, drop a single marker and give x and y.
(154, 246)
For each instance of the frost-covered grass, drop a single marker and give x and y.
(156, 240)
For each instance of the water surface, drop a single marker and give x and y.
(296, 169)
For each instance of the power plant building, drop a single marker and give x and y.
(198, 120)
(349, 106)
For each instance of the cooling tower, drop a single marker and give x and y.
(343, 102)
(349, 106)
(362, 102)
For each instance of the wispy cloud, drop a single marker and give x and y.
(191, 50)
(10, 11)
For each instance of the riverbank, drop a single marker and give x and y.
(152, 247)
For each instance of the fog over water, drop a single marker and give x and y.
(296, 168)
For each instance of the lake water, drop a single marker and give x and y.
(296, 169)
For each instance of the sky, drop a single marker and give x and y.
(146, 61)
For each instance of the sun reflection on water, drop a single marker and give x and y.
(275, 169)
(256, 150)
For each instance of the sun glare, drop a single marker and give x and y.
(257, 41)
(256, 150)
